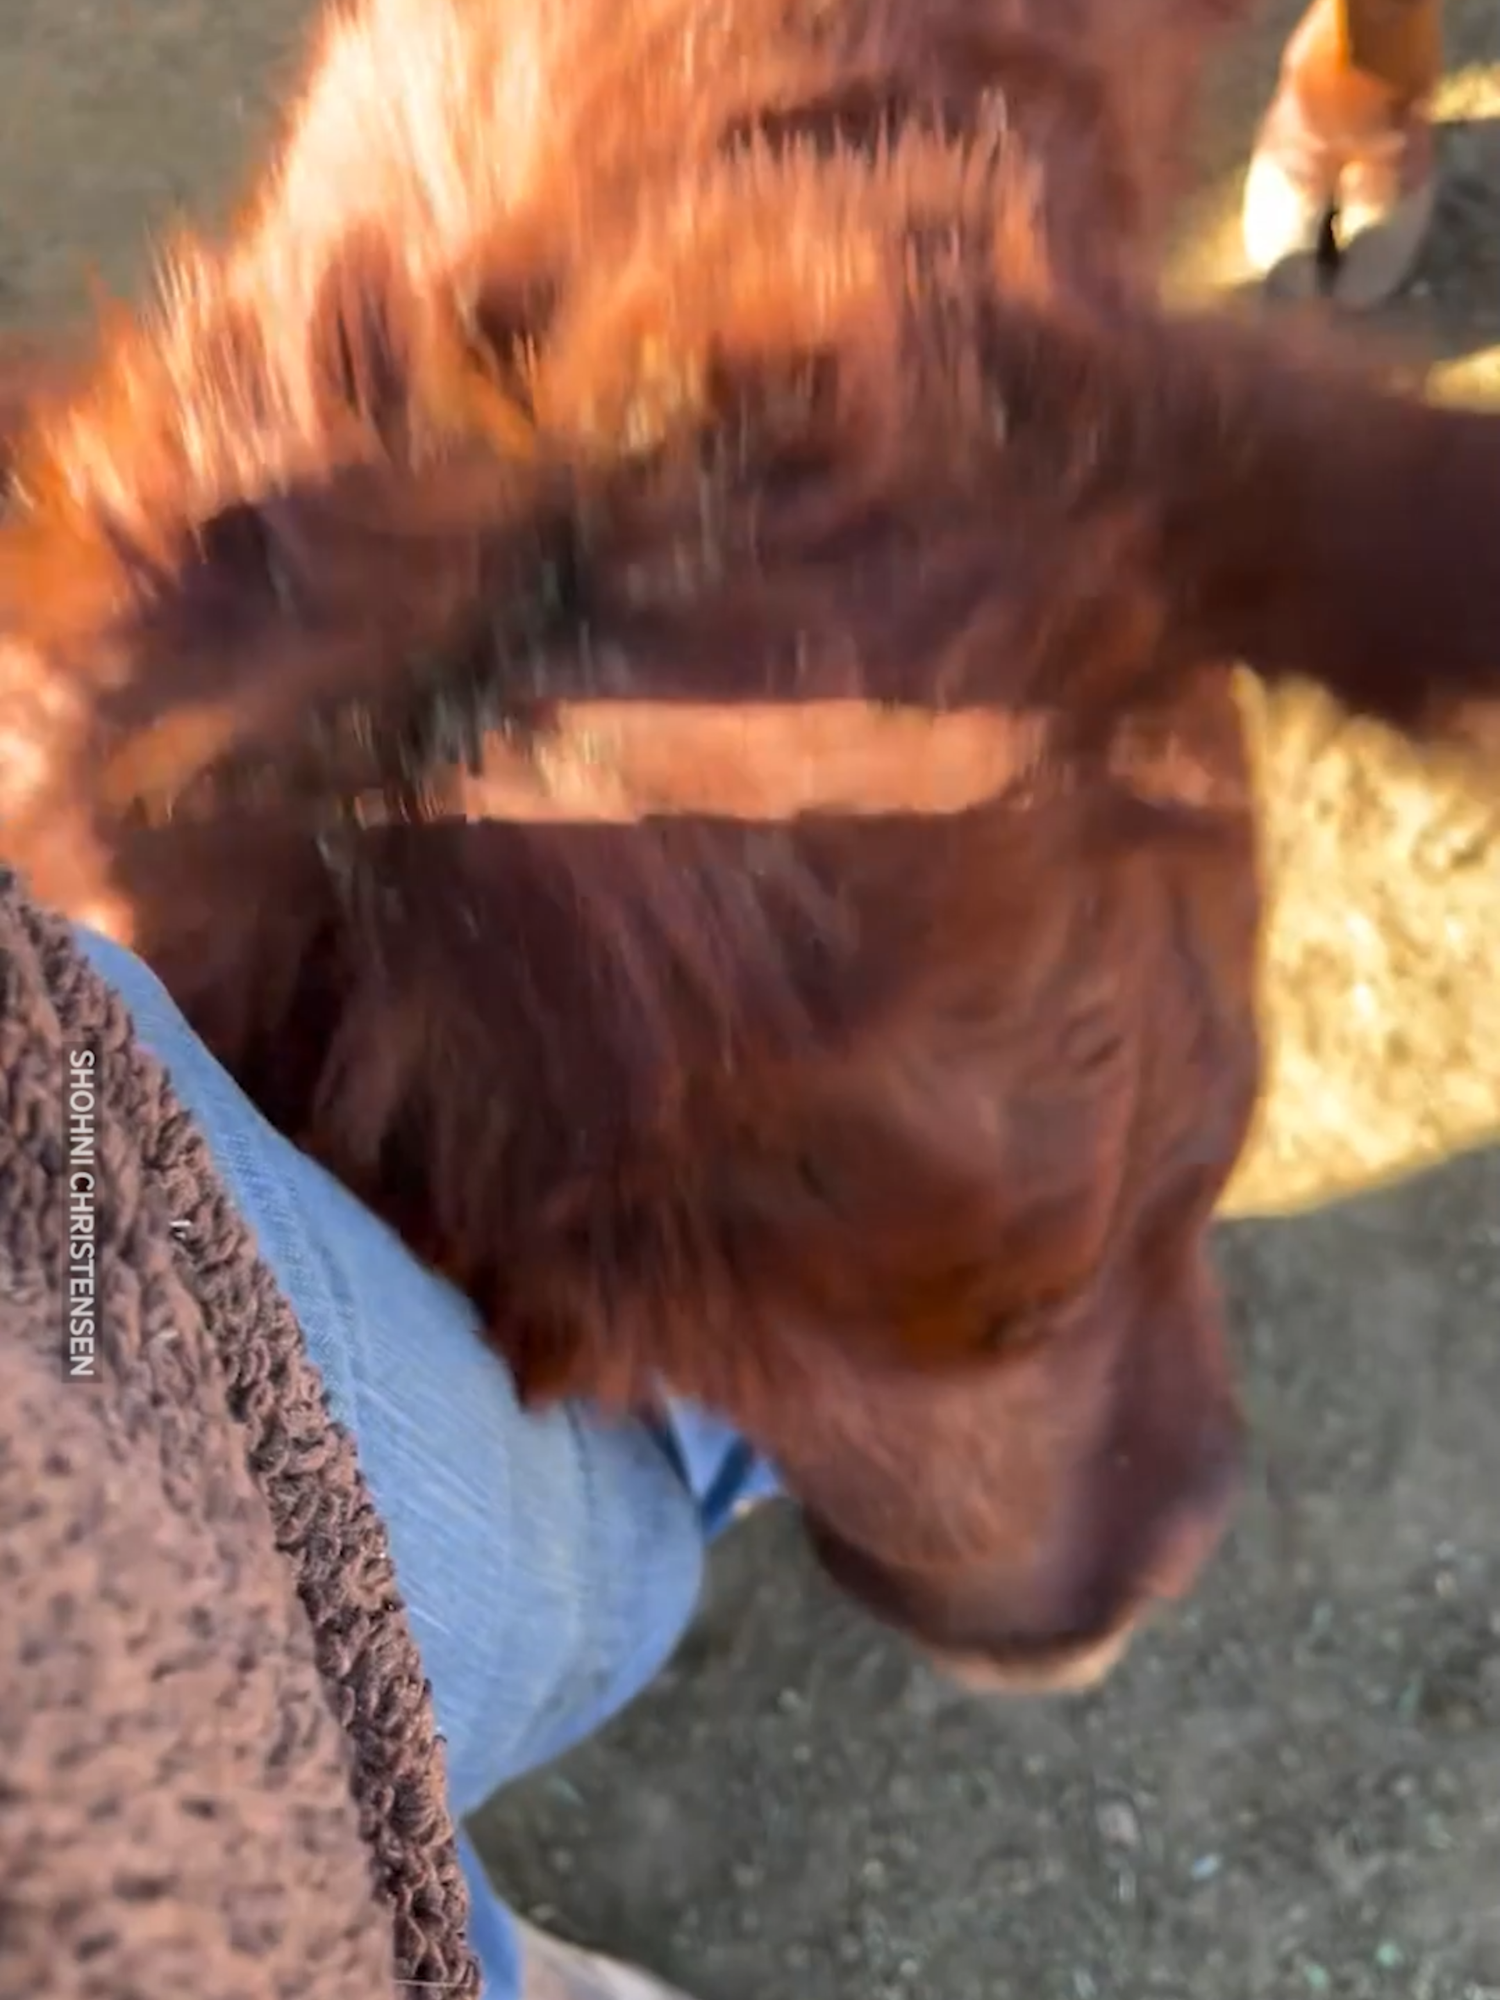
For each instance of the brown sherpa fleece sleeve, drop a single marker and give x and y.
(217, 1771)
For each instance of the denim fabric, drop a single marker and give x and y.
(549, 1563)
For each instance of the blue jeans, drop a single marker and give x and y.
(549, 1563)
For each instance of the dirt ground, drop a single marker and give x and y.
(1291, 1788)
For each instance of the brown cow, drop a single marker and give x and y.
(645, 650)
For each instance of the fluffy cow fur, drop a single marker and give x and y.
(644, 647)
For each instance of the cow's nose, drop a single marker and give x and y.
(1194, 1517)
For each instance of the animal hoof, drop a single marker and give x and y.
(1290, 192)
(1343, 217)
(1385, 210)
(1283, 222)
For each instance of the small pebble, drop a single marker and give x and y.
(1206, 1867)
(1118, 1824)
(1314, 1976)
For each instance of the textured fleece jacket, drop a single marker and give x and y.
(219, 1777)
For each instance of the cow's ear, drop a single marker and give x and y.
(1313, 523)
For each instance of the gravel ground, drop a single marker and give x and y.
(1292, 1787)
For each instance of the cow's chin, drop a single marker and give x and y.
(1056, 1670)
(994, 1632)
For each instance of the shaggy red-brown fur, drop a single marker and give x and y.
(643, 649)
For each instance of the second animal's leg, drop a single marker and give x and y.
(1347, 140)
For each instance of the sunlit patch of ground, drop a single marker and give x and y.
(1385, 877)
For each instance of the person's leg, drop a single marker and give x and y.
(1348, 138)
(549, 1563)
